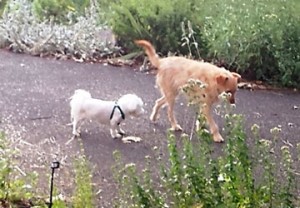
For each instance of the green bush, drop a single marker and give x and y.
(59, 9)
(194, 176)
(154, 20)
(81, 6)
(258, 38)
(46, 9)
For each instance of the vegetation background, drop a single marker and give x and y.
(258, 38)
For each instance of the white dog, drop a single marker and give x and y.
(112, 113)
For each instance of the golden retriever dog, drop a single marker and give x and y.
(175, 72)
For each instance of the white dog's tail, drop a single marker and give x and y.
(77, 99)
(150, 51)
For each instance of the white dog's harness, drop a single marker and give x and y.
(113, 112)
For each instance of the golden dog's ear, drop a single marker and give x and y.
(236, 75)
(221, 79)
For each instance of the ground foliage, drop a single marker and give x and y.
(194, 176)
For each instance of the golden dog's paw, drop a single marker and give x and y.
(177, 127)
(218, 138)
(154, 117)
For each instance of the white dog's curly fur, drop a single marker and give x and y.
(112, 113)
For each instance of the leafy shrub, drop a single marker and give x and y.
(155, 20)
(85, 39)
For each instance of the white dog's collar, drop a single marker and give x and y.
(113, 112)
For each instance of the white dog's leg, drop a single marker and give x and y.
(114, 130)
(120, 131)
(75, 132)
(114, 133)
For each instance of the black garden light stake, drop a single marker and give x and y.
(54, 165)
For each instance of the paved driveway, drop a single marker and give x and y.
(34, 112)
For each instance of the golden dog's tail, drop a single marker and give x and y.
(150, 51)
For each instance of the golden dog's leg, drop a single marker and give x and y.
(172, 119)
(214, 130)
(158, 104)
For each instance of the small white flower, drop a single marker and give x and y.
(129, 165)
(284, 147)
(255, 127)
(221, 178)
(275, 130)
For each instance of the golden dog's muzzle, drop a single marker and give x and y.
(231, 99)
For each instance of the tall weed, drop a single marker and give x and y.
(83, 194)
(192, 175)
(16, 187)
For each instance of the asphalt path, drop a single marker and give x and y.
(34, 113)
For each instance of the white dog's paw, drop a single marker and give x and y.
(115, 135)
(76, 133)
(122, 132)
